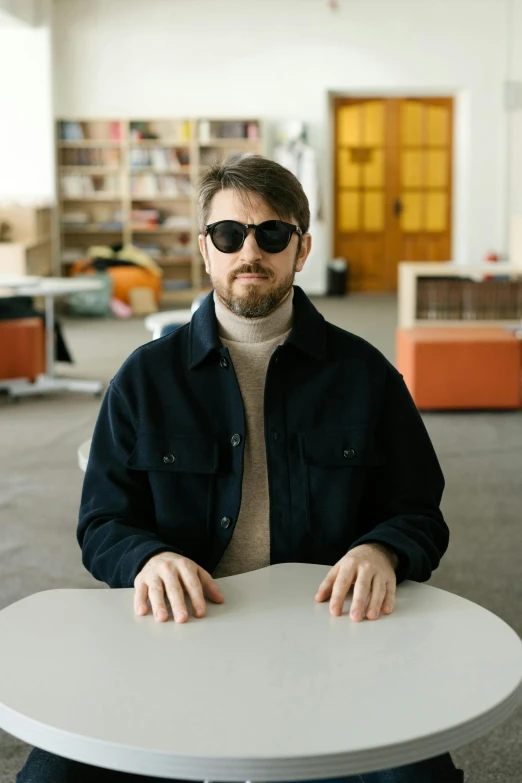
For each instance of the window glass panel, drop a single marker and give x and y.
(348, 172)
(349, 211)
(373, 171)
(437, 122)
(411, 216)
(411, 169)
(373, 211)
(411, 123)
(436, 168)
(373, 123)
(436, 209)
(349, 125)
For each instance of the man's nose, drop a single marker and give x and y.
(250, 250)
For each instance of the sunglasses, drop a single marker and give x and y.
(272, 236)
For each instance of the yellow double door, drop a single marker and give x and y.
(392, 185)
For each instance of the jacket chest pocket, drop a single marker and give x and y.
(182, 475)
(335, 467)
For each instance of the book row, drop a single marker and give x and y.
(465, 299)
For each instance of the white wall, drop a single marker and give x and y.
(515, 117)
(279, 59)
(26, 110)
(19, 12)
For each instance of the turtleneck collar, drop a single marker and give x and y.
(254, 330)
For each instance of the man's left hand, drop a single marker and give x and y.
(371, 567)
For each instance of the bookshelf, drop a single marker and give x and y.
(135, 181)
(444, 294)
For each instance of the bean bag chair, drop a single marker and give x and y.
(127, 267)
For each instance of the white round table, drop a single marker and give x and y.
(268, 687)
(156, 321)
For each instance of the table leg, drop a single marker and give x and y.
(49, 336)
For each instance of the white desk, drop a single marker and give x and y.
(49, 288)
(269, 686)
(15, 281)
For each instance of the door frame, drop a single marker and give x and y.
(461, 165)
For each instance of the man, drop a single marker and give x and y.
(259, 434)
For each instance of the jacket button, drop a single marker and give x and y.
(223, 362)
(235, 440)
(168, 459)
(226, 522)
(349, 453)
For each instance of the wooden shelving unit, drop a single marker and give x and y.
(408, 294)
(135, 181)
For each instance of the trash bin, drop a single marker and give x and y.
(337, 277)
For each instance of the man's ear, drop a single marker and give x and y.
(306, 246)
(203, 251)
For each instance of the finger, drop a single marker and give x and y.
(340, 589)
(140, 599)
(176, 599)
(210, 587)
(193, 587)
(389, 600)
(157, 600)
(378, 591)
(361, 591)
(325, 588)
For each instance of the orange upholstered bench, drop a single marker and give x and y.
(22, 348)
(460, 367)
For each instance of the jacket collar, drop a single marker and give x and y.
(308, 331)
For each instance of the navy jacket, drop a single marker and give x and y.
(349, 459)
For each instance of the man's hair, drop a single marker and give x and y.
(254, 174)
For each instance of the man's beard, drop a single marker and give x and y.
(253, 303)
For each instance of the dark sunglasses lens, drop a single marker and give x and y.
(273, 236)
(228, 236)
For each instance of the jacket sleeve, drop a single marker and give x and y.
(406, 493)
(116, 528)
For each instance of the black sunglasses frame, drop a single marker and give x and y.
(292, 229)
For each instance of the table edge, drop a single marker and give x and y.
(130, 759)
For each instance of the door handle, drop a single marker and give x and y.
(397, 207)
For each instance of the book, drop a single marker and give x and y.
(71, 131)
(115, 130)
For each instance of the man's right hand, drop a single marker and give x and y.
(169, 575)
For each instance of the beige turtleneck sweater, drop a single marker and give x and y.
(251, 343)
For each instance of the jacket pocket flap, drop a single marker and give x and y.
(341, 448)
(174, 454)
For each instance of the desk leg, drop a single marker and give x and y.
(49, 336)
